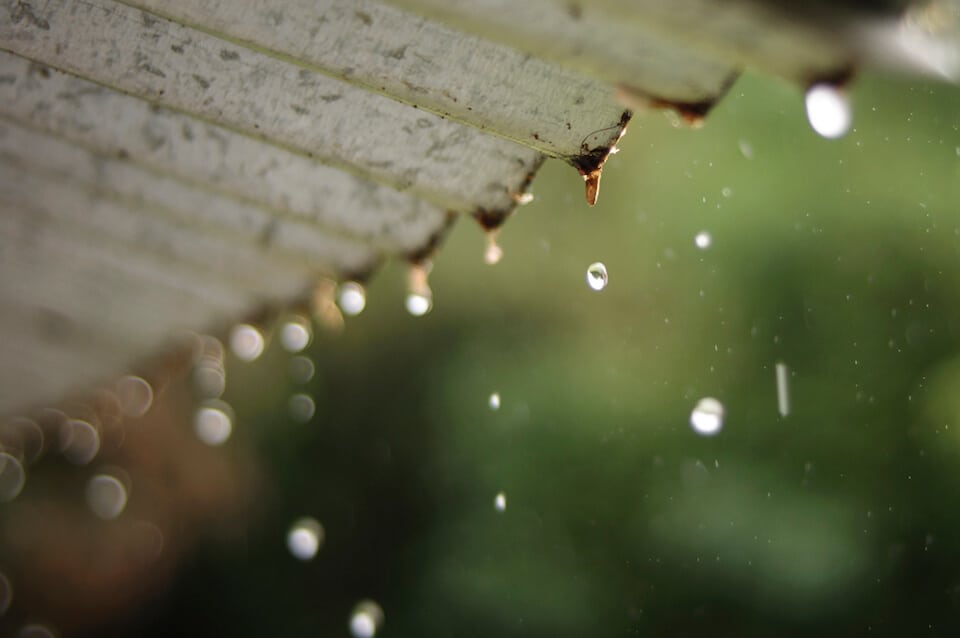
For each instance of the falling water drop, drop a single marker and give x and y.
(703, 240)
(295, 335)
(707, 416)
(500, 502)
(213, 423)
(828, 110)
(12, 477)
(419, 296)
(494, 401)
(366, 619)
(494, 253)
(305, 538)
(597, 276)
(106, 496)
(352, 298)
(246, 342)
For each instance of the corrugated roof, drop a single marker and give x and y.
(172, 165)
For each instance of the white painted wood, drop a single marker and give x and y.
(386, 50)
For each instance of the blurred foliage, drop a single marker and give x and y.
(840, 259)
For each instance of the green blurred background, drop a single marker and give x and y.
(840, 259)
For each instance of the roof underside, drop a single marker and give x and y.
(173, 165)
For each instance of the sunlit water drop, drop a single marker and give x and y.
(352, 298)
(494, 253)
(6, 593)
(79, 441)
(703, 240)
(828, 110)
(500, 502)
(707, 417)
(494, 401)
(12, 477)
(135, 396)
(213, 423)
(419, 297)
(597, 277)
(301, 407)
(106, 496)
(246, 342)
(366, 619)
(305, 538)
(295, 334)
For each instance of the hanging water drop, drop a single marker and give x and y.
(366, 619)
(828, 110)
(703, 240)
(522, 199)
(592, 180)
(419, 296)
(707, 416)
(597, 276)
(494, 253)
(352, 298)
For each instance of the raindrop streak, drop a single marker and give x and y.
(494, 401)
(500, 502)
(246, 342)
(135, 396)
(352, 298)
(494, 253)
(419, 297)
(106, 496)
(12, 477)
(301, 407)
(79, 441)
(703, 240)
(707, 416)
(6, 593)
(783, 390)
(295, 335)
(597, 276)
(366, 619)
(828, 110)
(212, 423)
(305, 538)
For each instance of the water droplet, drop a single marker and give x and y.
(707, 416)
(302, 369)
(352, 298)
(106, 496)
(301, 407)
(828, 110)
(592, 180)
(295, 335)
(79, 441)
(500, 502)
(305, 538)
(494, 401)
(494, 253)
(726, 191)
(419, 298)
(746, 149)
(597, 276)
(703, 240)
(213, 423)
(783, 388)
(523, 198)
(246, 342)
(366, 619)
(12, 477)
(135, 396)
(6, 593)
